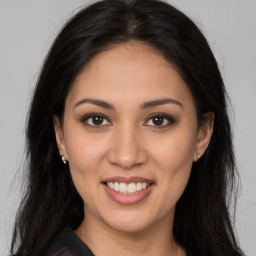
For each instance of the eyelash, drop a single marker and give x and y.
(166, 117)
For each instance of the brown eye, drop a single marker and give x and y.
(158, 121)
(95, 120)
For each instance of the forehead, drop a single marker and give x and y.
(129, 72)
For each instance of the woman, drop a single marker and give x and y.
(128, 140)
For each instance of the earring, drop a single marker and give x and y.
(198, 156)
(63, 160)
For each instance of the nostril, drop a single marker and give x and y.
(127, 157)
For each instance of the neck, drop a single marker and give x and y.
(106, 241)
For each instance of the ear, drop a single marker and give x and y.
(204, 135)
(59, 136)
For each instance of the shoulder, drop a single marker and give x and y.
(66, 243)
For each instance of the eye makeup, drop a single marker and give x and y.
(156, 120)
(95, 120)
(160, 120)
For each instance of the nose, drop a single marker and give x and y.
(127, 149)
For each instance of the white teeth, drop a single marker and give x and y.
(130, 188)
(139, 186)
(116, 186)
(123, 188)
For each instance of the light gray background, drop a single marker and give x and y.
(27, 29)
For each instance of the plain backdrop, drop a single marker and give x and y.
(27, 29)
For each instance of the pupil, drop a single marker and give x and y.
(158, 120)
(97, 120)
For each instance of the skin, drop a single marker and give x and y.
(130, 143)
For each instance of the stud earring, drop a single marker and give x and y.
(198, 156)
(63, 160)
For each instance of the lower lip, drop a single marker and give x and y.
(128, 199)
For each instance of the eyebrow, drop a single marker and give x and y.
(154, 103)
(145, 105)
(97, 102)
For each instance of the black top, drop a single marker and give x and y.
(67, 243)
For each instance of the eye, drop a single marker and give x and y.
(160, 120)
(95, 120)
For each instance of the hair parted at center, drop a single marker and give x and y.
(202, 222)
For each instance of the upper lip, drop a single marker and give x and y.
(127, 180)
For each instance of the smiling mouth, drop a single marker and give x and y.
(130, 188)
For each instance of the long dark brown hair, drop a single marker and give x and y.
(202, 223)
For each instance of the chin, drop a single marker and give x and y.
(129, 222)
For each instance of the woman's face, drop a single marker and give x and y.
(130, 135)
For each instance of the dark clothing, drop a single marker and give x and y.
(67, 243)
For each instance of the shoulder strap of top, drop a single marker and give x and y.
(62, 252)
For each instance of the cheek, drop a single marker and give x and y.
(173, 158)
(84, 150)
(175, 150)
(85, 154)
(175, 164)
